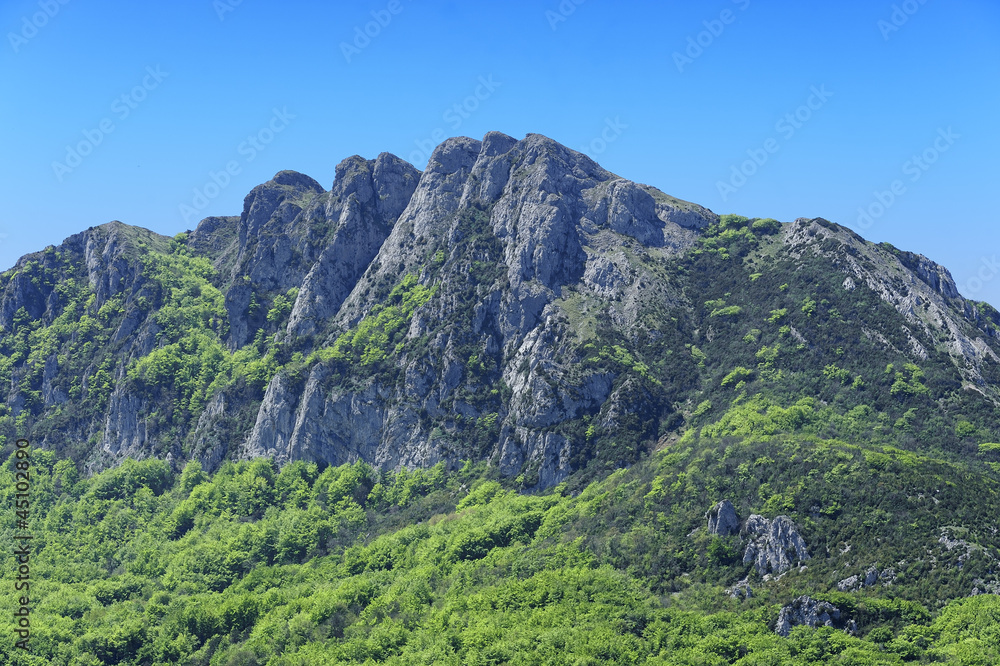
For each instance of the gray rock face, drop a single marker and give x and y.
(848, 584)
(210, 441)
(125, 431)
(632, 212)
(241, 322)
(806, 611)
(50, 394)
(265, 201)
(271, 433)
(294, 234)
(722, 519)
(366, 199)
(336, 427)
(340, 428)
(539, 204)
(775, 545)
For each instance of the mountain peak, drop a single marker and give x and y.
(349, 166)
(297, 180)
(497, 143)
(454, 154)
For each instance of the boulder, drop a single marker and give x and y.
(722, 519)
(811, 613)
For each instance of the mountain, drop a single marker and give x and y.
(515, 303)
(512, 409)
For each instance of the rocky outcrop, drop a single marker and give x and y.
(107, 257)
(775, 545)
(336, 427)
(741, 590)
(806, 611)
(367, 198)
(272, 249)
(214, 236)
(722, 519)
(981, 586)
(210, 445)
(292, 233)
(278, 199)
(847, 584)
(125, 428)
(272, 432)
(869, 578)
(50, 394)
(533, 205)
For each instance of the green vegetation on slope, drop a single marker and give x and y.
(379, 334)
(192, 363)
(348, 565)
(76, 341)
(759, 324)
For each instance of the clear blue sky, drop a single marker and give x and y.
(200, 77)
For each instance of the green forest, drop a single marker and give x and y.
(256, 565)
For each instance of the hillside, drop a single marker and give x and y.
(511, 409)
(349, 565)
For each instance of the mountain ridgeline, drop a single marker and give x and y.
(515, 304)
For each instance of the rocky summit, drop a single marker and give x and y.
(513, 303)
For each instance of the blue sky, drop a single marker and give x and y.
(159, 114)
